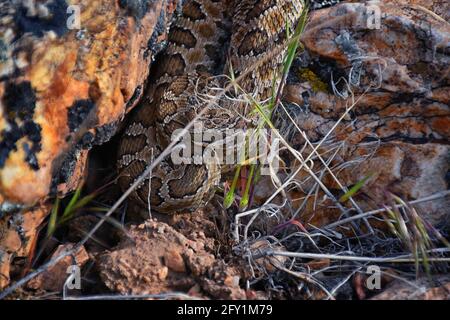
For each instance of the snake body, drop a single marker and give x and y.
(208, 38)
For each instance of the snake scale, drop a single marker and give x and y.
(209, 38)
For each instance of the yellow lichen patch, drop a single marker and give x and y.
(308, 75)
(111, 96)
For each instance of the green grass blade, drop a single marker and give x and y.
(53, 218)
(230, 196)
(293, 46)
(72, 203)
(84, 201)
(246, 196)
(350, 193)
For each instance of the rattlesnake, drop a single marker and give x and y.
(210, 37)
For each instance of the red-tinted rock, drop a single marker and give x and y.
(391, 88)
(54, 278)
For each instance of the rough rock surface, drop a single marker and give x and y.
(18, 236)
(158, 259)
(54, 278)
(421, 289)
(64, 86)
(393, 94)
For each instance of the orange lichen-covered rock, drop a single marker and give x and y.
(18, 236)
(68, 71)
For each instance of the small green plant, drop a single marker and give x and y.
(355, 189)
(75, 204)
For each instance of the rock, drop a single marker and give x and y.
(421, 289)
(64, 87)
(437, 7)
(392, 90)
(267, 263)
(54, 278)
(62, 91)
(158, 259)
(18, 237)
(174, 261)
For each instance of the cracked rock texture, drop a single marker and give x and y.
(391, 87)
